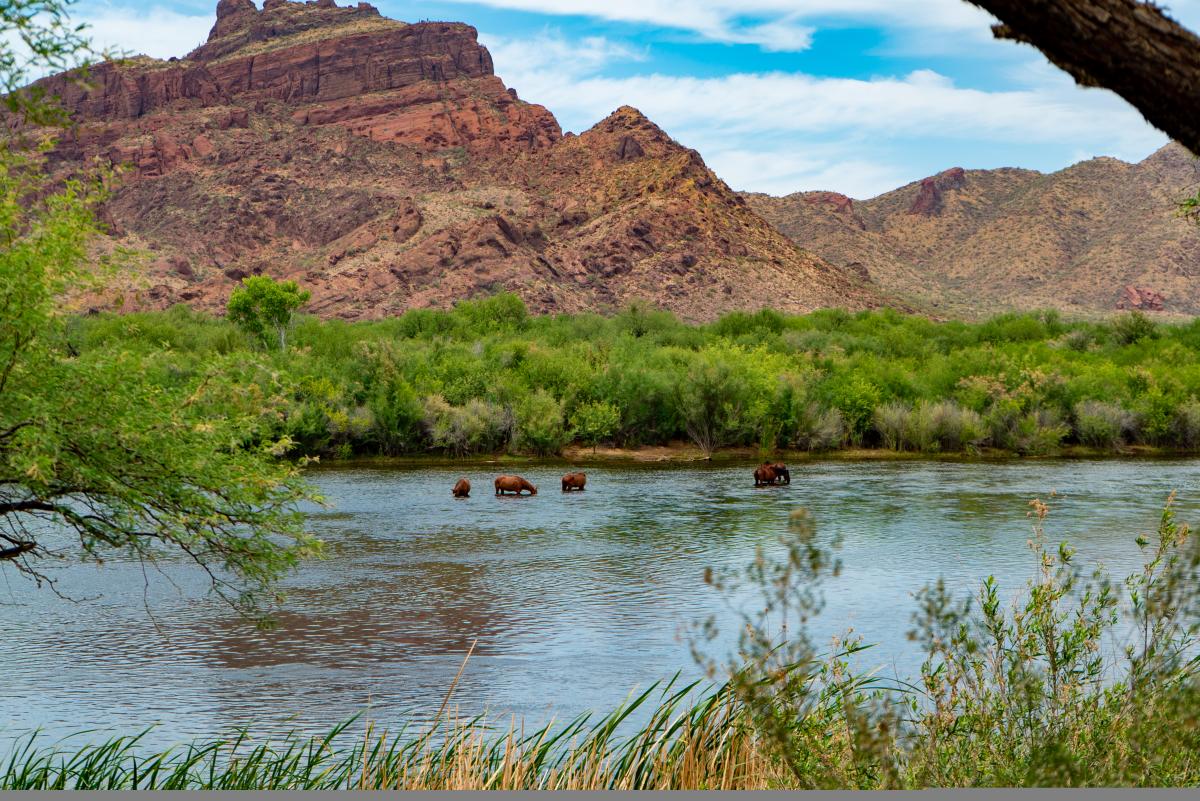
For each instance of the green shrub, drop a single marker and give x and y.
(593, 422)
(1101, 424)
(856, 399)
(477, 427)
(818, 429)
(944, 426)
(1131, 328)
(1154, 415)
(398, 416)
(1187, 425)
(539, 425)
(891, 421)
(817, 381)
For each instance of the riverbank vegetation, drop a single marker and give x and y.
(487, 377)
(1078, 680)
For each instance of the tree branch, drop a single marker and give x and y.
(1128, 46)
(8, 432)
(13, 507)
(16, 550)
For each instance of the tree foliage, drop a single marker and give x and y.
(262, 306)
(109, 452)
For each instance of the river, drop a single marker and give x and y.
(573, 599)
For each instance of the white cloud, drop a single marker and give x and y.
(783, 132)
(549, 52)
(782, 25)
(150, 30)
(920, 104)
(780, 169)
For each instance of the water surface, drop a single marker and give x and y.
(573, 599)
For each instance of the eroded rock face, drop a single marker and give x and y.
(838, 204)
(385, 167)
(427, 84)
(929, 198)
(1141, 298)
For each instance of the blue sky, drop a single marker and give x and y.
(855, 96)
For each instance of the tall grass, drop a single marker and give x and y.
(685, 742)
(1077, 681)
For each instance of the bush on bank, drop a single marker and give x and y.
(487, 377)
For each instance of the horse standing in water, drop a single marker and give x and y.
(764, 475)
(462, 489)
(513, 484)
(771, 473)
(573, 481)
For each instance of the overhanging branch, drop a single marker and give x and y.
(1128, 46)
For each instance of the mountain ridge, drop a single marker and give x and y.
(1097, 236)
(385, 166)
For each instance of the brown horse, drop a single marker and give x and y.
(462, 489)
(513, 484)
(763, 475)
(573, 481)
(781, 472)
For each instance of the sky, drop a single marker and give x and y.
(779, 96)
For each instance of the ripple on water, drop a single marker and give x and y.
(572, 599)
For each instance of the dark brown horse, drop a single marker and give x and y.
(573, 481)
(462, 489)
(513, 484)
(763, 475)
(781, 473)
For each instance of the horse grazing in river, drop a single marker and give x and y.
(573, 481)
(462, 488)
(781, 473)
(513, 484)
(764, 475)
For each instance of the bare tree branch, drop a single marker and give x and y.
(1128, 46)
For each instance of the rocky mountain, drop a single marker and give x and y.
(1098, 236)
(386, 167)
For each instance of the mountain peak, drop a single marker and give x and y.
(241, 24)
(232, 15)
(627, 119)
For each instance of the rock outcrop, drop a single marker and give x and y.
(385, 166)
(929, 197)
(1141, 298)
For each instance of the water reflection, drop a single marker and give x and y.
(573, 599)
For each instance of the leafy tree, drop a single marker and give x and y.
(263, 304)
(539, 424)
(398, 415)
(595, 421)
(856, 398)
(718, 398)
(37, 36)
(101, 452)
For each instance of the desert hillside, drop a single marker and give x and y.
(386, 167)
(1098, 236)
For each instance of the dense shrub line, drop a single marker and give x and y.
(487, 377)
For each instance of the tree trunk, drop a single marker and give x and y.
(1128, 46)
